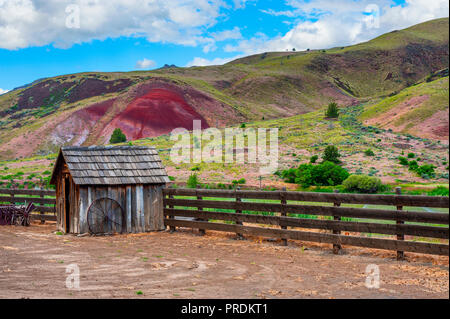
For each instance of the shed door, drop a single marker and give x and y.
(67, 203)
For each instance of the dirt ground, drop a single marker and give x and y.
(33, 264)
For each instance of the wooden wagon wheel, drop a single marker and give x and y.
(105, 215)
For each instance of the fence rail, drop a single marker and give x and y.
(44, 200)
(192, 213)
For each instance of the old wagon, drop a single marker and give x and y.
(103, 189)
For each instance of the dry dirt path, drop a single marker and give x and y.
(33, 264)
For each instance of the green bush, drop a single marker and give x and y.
(411, 155)
(331, 154)
(238, 182)
(221, 186)
(426, 171)
(314, 159)
(413, 166)
(289, 175)
(403, 160)
(324, 174)
(117, 137)
(363, 184)
(369, 152)
(192, 181)
(332, 110)
(439, 191)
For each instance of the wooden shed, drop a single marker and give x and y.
(101, 189)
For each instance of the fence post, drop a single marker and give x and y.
(238, 211)
(201, 231)
(400, 254)
(336, 247)
(42, 213)
(283, 211)
(171, 228)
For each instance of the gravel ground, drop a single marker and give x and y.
(33, 263)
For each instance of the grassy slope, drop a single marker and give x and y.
(436, 94)
(299, 138)
(274, 85)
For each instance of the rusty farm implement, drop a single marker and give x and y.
(16, 215)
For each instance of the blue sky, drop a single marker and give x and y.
(43, 38)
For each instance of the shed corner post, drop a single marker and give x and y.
(400, 253)
(336, 246)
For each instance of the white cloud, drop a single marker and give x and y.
(145, 64)
(414, 12)
(232, 34)
(340, 23)
(240, 4)
(25, 23)
(2, 91)
(217, 61)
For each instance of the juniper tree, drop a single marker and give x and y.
(117, 137)
(332, 110)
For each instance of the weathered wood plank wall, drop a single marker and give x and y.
(142, 207)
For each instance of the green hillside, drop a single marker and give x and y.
(418, 110)
(36, 119)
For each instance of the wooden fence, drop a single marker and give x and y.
(279, 208)
(44, 200)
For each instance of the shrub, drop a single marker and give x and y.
(289, 175)
(314, 159)
(369, 152)
(439, 191)
(238, 182)
(363, 184)
(426, 171)
(413, 166)
(332, 110)
(192, 181)
(324, 174)
(117, 137)
(411, 155)
(403, 160)
(331, 154)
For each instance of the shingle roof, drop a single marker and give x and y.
(114, 165)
